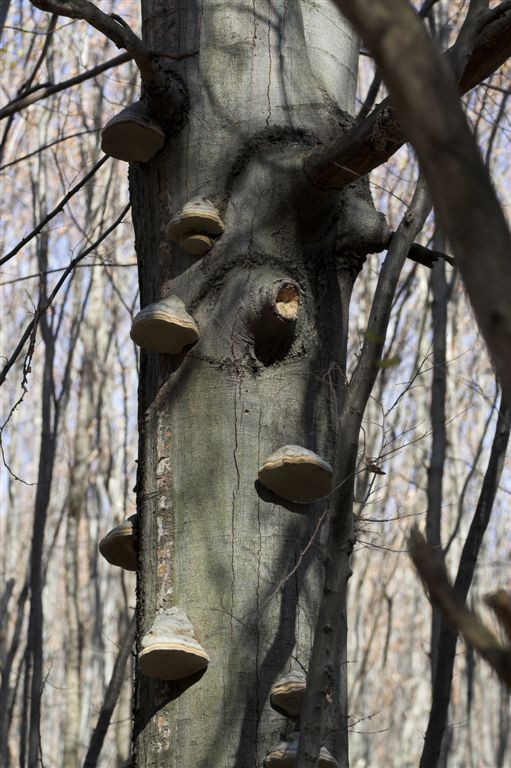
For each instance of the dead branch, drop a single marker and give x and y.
(58, 208)
(43, 92)
(426, 98)
(32, 326)
(431, 569)
(374, 140)
(116, 31)
(165, 93)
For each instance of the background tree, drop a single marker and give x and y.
(255, 102)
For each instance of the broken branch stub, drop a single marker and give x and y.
(118, 547)
(296, 474)
(170, 650)
(164, 327)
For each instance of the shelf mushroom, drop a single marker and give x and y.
(119, 545)
(286, 695)
(195, 225)
(132, 135)
(284, 755)
(296, 474)
(164, 327)
(170, 650)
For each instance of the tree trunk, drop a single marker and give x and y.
(212, 540)
(77, 499)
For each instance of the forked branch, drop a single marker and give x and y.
(373, 141)
(426, 99)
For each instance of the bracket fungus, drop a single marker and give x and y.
(284, 756)
(195, 225)
(286, 695)
(164, 327)
(170, 650)
(119, 545)
(296, 474)
(132, 135)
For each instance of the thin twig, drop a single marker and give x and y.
(61, 205)
(18, 104)
(32, 326)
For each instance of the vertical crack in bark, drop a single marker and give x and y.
(258, 637)
(268, 94)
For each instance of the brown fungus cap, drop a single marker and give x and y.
(164, 327)
(118, 546)
(296, 474)
(170, 650)
(198, 217)
(132, 135)
(284, 756)
(286, 695)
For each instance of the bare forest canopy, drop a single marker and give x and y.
(254, 383)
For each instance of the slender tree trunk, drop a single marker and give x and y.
(34, 669)
(79, 480)
(213, 541)
(438, 426)
(111, 696)
(33, 682)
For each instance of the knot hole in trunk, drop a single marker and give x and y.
(276, 311)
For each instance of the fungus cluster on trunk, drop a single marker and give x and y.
(195, 226)
(286, 698)
(170, 649)
(285, 754)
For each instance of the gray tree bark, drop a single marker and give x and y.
(262, 91)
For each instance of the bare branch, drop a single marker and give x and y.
(428, 256)
(43, 92)
(373, 141)
(431, 569)
(165, 93)
(47, 146)
(60, 207)
(32, 326)
(119, 33)
(446, 639)
(426, 99)
(400, 246)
